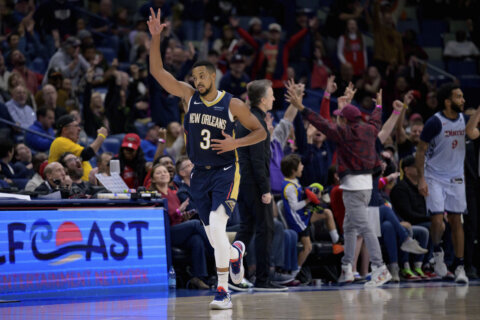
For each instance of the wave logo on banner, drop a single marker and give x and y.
(70, 245)
(67, 233)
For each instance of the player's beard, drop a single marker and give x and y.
(456, 107)
(207, 91)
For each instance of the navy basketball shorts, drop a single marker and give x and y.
(214, 186)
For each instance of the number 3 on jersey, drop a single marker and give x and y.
(205, 133)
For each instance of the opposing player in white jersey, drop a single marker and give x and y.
(440, 160)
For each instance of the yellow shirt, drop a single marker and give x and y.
(61, 145)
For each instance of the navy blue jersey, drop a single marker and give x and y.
(205, 121)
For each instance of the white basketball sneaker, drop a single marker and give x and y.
(347, 274)
(222, 300)
(460, 276)
(439, 267)
(380, 276)
(236, 266)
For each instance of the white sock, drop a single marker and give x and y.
(334, 235)
(222, 280)
(222, 248)
(418, 264)
(406, 265)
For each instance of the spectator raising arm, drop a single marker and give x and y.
(329, 90)
(400, 130)
(102, 133)
(326, 127)
(388, 126)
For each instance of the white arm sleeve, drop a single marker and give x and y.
(291, 193)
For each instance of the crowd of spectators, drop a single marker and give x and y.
(76, 92)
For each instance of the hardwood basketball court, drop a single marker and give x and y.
(427, 300)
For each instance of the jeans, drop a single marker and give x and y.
(393, 233)
(190, 235)
(291, 255)
(422, 235)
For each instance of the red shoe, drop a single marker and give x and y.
(428, 271)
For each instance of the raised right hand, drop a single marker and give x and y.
(162, 133)
(350, 92)
(154, 25)
(398, 105)
(103, 131)
(378, 100)
(292, 96)
(407, 99)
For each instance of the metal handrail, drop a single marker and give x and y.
(13, 124)
(437, 69)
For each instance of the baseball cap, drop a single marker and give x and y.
(64, 121)
(131, 140)
(274, 27)
(238, 58)
(349, 112)
(408, 161)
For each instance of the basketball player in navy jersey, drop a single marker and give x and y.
(211, 146)
(440, 166)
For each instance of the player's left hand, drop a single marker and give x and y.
(224, 145)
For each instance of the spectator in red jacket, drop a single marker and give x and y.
(356, 160)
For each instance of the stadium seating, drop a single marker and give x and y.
(111, 145)
(462, 68)
(108, 53)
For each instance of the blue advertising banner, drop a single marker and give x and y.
(67, 250)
